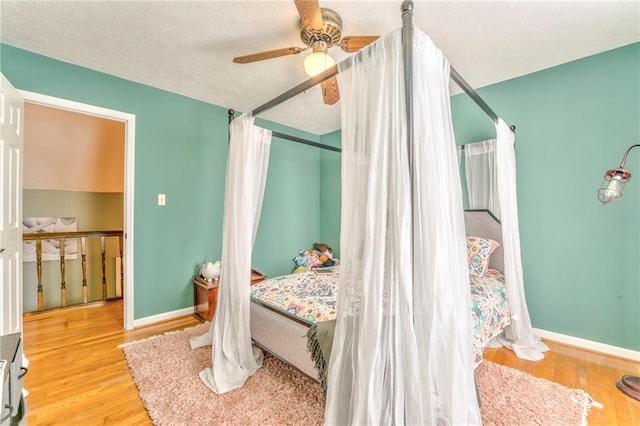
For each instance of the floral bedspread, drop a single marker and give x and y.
(490, 311)
(310, 296)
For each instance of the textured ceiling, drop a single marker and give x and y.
(187, 47)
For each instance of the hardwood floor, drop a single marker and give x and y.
(78, 375)
(592, 372)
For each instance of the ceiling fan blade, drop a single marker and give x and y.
(310, 14)
(354, 43)
(254, 57)
(330, 92)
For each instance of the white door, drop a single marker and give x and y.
(11, 139)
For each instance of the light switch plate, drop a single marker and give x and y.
(162, 199)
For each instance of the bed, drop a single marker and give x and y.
(284, 308)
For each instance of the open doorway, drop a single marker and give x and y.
(78, 165)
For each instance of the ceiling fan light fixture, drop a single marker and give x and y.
(320, 30)
(319, 60)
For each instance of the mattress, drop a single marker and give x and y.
(311, 297)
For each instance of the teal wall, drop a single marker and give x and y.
(581, 260)
(181, 149)
(290, 218)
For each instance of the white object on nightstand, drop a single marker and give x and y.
(210, 271)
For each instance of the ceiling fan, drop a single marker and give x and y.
(320, 30)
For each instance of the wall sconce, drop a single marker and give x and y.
(614, 181)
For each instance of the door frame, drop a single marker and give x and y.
(129, 174)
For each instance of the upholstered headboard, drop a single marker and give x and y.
(481, 223)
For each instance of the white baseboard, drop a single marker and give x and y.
(162, 317)
(588, 344)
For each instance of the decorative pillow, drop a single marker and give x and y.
(478, 253)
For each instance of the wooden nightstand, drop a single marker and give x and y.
(205, 298)
(205, 295)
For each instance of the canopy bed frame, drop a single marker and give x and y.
(304, 141)
(402, 245)
(285, 337)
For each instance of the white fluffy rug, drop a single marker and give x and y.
(165, 369)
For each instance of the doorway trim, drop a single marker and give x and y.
(129, 173)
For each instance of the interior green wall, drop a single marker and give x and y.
(96, 211)
(581, 260)
(181, 149)
(290, 218)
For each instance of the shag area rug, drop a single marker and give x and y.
(165, 369)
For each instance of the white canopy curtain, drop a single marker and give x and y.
(234, 359)
(482, 182)
(519, 334)
(402, 352)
